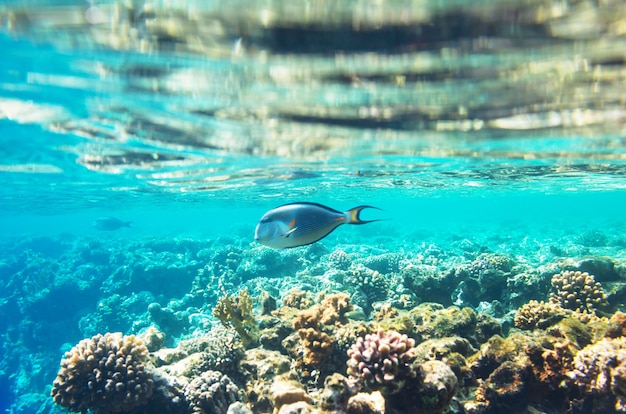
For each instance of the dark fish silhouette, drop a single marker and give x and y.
(110, 223)
(299, 224)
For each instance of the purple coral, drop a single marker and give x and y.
(382, 359)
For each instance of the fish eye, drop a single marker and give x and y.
(266, 220)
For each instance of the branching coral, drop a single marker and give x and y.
(105, 374)
(236, 312)
(212, 393)
(381, 360)
(577, 291)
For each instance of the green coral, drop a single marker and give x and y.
(236, 312)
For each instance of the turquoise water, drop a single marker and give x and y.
(191, 120)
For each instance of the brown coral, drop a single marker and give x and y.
(315, 327)
(334, 309)
(577, 291)
(105, 374)
(318, 346)
(536, 314)
(617, 325)
(297, 299)
(551, 367)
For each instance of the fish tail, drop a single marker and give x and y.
(127, 223)
(355, 215)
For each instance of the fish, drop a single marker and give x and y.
(303, 223)
(110, 223)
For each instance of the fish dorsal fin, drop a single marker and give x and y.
(308, 203)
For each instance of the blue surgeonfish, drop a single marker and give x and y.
(299, 224)
(110, 223)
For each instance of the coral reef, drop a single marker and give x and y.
(369, 285)
(366, 403)
(536, 314)
(260, 368)
(428, 283)
(339, 260)
(429, 392)
(236, 312)
(297, 299)
(577, 290)
(381, 360)
(315, 328)
(105, 374)
(336, 393)
(212, 393)
(549, 355)
(600, 372)
(221, 351)
(384, 263)
(506, 388)
(285, 393)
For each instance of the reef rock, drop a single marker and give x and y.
(287, 393)
(430, 392)
(600, 371)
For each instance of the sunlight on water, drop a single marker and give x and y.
(201, 98)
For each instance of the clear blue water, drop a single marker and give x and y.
(512, 141)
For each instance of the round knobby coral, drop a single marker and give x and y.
(105, 374)
(536, 314)
(212, 393)
(372, 285)
(382, 359)
(384, 263)
(339, 260)
(577, 291)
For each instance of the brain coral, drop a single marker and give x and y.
(105, 374)
(381, 360)
(577, 291)
(212, 393)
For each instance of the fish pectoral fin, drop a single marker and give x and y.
(287, 234)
